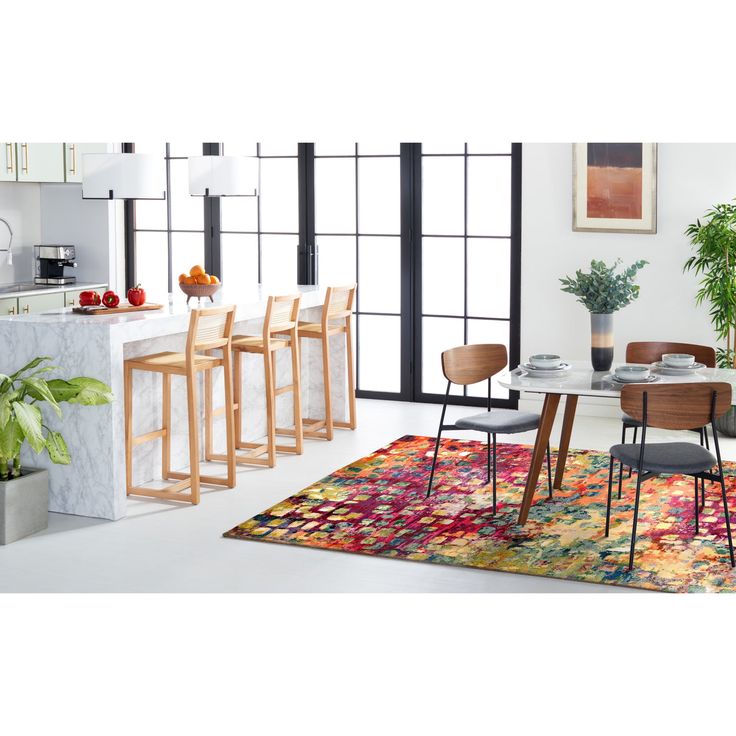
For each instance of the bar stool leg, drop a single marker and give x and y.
(268, 366)
(193, 436)
(329, 429)
(229, 421)
(297, 393)
(351, 376)
(166, 425)
(238, 398)
(208, 419)
(128, 392)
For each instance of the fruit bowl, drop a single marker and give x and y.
(199, 290)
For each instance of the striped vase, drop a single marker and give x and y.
(601, 341)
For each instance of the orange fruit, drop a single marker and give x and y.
(196, 271)
(214, 279)
(202, 278)
(190, 280)
(183, 277)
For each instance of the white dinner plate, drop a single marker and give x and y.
(668, 370)
(534, 372)
(623, 382)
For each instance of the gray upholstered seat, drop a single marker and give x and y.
(666, 457)
(500, 421)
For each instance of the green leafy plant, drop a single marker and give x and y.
(715, 260)
(21, 419)
(603, 291)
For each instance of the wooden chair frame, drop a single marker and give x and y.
(197, 359)
(675, 406)
(337, 313)
(280, 331)
(465, 365)
(650, 352)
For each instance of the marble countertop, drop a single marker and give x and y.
(584, 381)
(172, 318)
(41, 289)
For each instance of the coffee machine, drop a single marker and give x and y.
(51, 260)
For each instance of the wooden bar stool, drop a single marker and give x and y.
(209, 329)
(336, 320)
(280, 331)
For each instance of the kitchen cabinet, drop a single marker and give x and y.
(40, 162)
(40, 303)
(73, 158)
(8, 306)
(8, 168)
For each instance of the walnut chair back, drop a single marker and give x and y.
(650, 352)
(473, 363)
(676, 405)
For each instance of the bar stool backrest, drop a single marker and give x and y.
(338, 302)
(210, 329)
(473, 363)
(282, 314)
(676, 405)
(651, 352)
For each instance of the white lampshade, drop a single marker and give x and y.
(123, 176)
(223, 176)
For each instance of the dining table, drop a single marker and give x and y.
(580, 380)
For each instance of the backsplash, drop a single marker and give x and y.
(20, 205)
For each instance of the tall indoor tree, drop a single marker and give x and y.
(715, 262)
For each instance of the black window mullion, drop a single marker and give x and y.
(129, 216)
(212, 223)
(307, 250)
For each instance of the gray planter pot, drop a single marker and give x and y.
(24, 505)
(727, 423)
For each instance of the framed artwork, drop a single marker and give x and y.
(614, 187)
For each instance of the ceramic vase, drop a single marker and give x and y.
(601, 341)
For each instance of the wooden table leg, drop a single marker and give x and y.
(571, 402)
(551, 401)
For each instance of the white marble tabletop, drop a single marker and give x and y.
(582, 380)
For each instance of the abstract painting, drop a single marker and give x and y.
(615, 187)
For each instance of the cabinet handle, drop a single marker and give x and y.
(24, 157)
(26, 309)
(11, 310)
(72, 302)
(73, 151)
(9, 157)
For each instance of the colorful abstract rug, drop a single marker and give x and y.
(377, 506)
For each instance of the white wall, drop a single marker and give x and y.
(691, 178)
(90, 225)
(20, 206)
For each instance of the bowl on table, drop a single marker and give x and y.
(545, 360)
(678, 360)
(199, 290)
(632, 373)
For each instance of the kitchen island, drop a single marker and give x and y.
(96, 346)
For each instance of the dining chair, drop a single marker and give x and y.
(470, 364)
(672, 406)
(650, 352)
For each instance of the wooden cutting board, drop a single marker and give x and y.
(117, 310)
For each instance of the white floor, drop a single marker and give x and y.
(169, 547)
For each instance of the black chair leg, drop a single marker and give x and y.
(434, 463)
(488, 458)
(725, 513)
(620, 462)
(705, 435)
(494, 474)
(610, 488)
(697, 507)
(620, 477)
(636, 514)
(636, 431)
(549, 471)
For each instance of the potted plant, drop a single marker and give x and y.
(24, 492)
(715, 260)
(602, 292)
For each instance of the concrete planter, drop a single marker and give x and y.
(727, 423)
(24, 505)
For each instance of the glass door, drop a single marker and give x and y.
(357, 222)
(467, 261)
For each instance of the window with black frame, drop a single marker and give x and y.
(357, 203)
(169, 234)
(466, 256)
